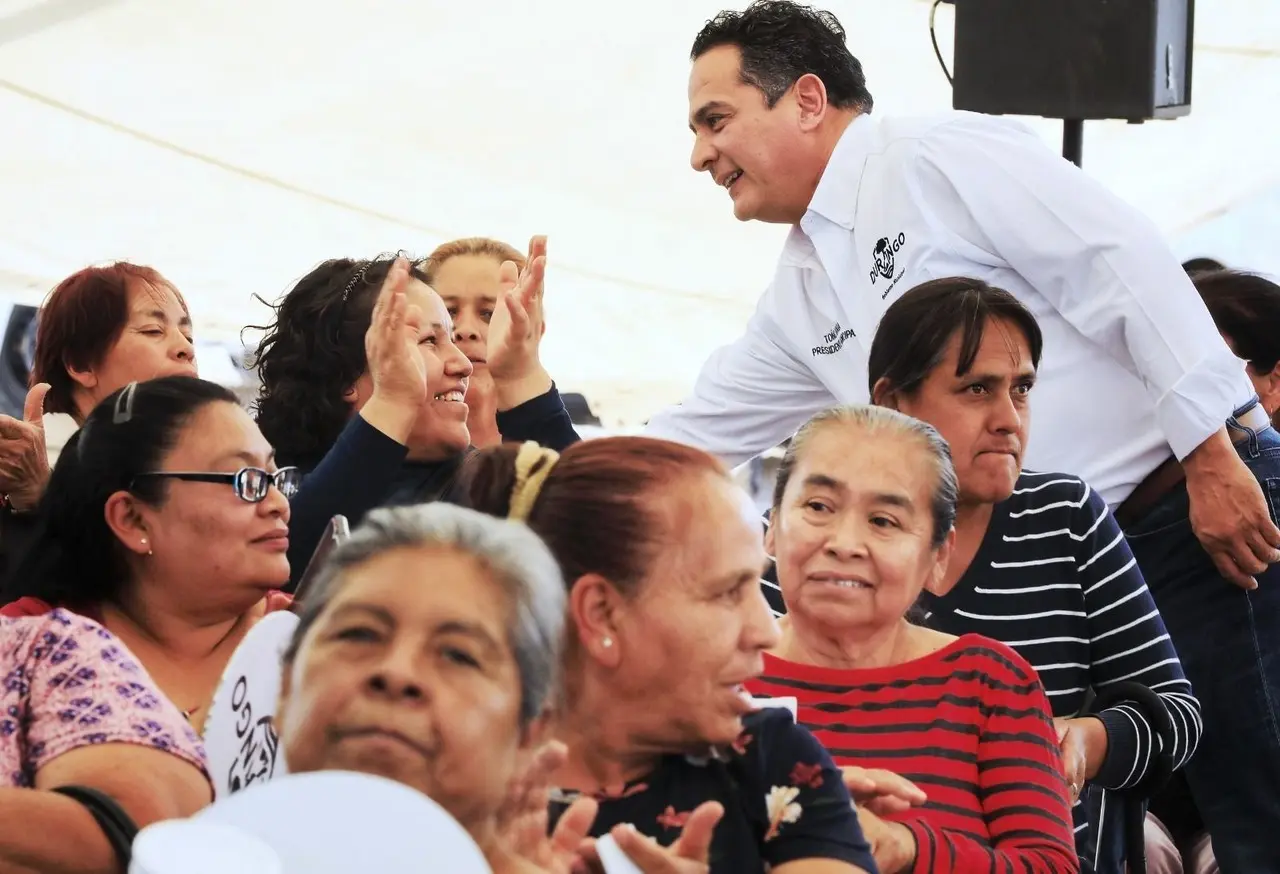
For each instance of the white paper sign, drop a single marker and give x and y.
(781, 703)
(240, 733)
(612, 859)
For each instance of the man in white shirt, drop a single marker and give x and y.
(1134, 373)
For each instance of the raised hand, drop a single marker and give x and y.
(517, 326)
(395, 365)
(24, 458)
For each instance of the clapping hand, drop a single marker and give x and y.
(396, 366)
(517, 324)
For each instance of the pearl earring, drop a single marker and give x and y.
(607, 642)
(144, 543)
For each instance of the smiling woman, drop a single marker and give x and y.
(858, 536)
(467, 274)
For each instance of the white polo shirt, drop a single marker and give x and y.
(1133, 365)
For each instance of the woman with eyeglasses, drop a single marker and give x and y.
(167, 521)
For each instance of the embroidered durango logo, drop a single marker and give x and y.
(884, 265)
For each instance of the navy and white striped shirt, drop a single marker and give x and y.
(1055, 580)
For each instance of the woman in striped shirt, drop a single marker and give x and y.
(1039, 562)
(858, 536)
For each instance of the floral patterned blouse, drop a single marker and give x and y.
(69, 683)
(784, 800)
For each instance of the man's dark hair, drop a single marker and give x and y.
(781, 41)
(914, 332)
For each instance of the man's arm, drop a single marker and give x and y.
(1105, 268)
(750, 396)
(1097, 260)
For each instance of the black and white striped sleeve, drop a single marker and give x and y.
(1128, 642)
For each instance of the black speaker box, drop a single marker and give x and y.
(1074, 59)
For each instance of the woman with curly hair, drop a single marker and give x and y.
(363, 387)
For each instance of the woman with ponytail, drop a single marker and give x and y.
(661, 554)
(166, 521)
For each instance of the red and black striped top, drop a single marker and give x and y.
(970, 725)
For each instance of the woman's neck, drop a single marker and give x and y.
(182, 636)
(602, 753)
(972, 522)
(814, 644)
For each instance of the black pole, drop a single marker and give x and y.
(1073, 140)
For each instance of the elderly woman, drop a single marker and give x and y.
(364, 388)
(468, 276)
(858, 536)
(667, 625)
(1039, 561)
(433, 632)
(99, 329)
(167, 521)
(83, 730)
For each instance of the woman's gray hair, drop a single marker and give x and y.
(518, 559)
(873, 419)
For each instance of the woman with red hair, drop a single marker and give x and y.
(100, 329)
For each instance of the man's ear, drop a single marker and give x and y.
(811, 99)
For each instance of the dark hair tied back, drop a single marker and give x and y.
(74, 559)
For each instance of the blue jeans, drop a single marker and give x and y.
(1229, 643)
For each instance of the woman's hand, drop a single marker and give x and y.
(690, 854)
(24, 458)
(882, 792)
(522, 820)
(892, 843)
(1083, 743)
(396, 367)
(516, 329)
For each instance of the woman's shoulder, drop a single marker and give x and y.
(42, 630)
(772, 743)
(1045, 489)
(62, 639)
(25, 607)
(993, 659)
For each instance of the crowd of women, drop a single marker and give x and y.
(580, 624)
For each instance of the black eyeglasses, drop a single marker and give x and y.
(251, 483)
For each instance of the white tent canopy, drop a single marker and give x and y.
(235, 143)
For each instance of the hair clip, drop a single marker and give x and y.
(124, 405)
